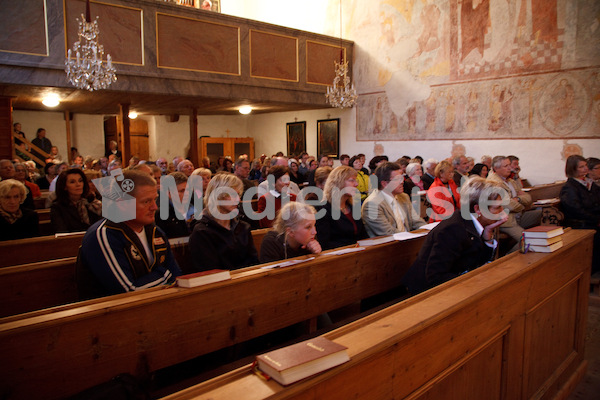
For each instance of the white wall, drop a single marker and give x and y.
(306, 15)
(541, 160)
(88, 135)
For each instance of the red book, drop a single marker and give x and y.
(203, 278)
(298, 361)
(543, 231)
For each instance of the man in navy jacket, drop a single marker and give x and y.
(127, 256)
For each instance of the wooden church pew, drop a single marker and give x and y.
(43, 248)
(64, 350)
(38, 285)
(33, 286)
(547, 191)
(513, 329)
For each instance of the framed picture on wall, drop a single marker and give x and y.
(296, 138)
(328, 137)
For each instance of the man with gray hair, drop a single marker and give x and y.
(263, 188)
(127, 256)
(519, 217)
(161, 163)
(461, 169)
(487, 161)
(429, 172)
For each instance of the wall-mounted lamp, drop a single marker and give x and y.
(133, 115)
(245, 110)
(51, 101)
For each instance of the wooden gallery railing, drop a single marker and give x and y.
(29, 150)
(513, 329)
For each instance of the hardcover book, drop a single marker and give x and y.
(298, 361)
(542, 241)
(547, 249)
(203, 278)
(543, 231)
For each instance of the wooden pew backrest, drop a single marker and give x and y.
(513, 329)
(93, 341)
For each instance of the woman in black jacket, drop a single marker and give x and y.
(220, 240)
(580, 202)
(341, 225)
(75, 208)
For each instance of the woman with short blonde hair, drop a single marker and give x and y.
(220, 239)
(206, 175)
(293, 234)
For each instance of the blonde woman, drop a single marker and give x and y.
(293, 234)
(220, 239)
(206, 175)
(342, 224)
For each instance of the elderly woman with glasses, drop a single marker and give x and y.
(16, 222)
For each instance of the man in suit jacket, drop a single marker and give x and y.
(388, 210)
(519, 217)
(461, 243)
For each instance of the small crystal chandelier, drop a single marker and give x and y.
(86, 70)
(341, 94)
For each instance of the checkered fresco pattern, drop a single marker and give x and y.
(540, 54)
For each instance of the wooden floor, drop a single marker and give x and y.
(589, 388)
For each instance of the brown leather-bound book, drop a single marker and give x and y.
(298, 361)
(203, 278)
(543, 231)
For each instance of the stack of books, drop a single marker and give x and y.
(543, 239)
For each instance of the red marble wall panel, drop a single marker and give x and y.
(23, 28)
(273, 56)
(192, 44)
(120, 29)
(320, 58)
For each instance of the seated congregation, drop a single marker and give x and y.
(343, 205)
(303, 220)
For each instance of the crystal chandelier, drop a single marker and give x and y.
(341, 94)
(86, 70)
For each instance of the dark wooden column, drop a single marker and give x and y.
(6, 138)
(68, 130)
(125, 135)
(194, 155)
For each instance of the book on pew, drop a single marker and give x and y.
(543, 241)
(546, 249)
(203, 278)
(543, 231)
(301, 360)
